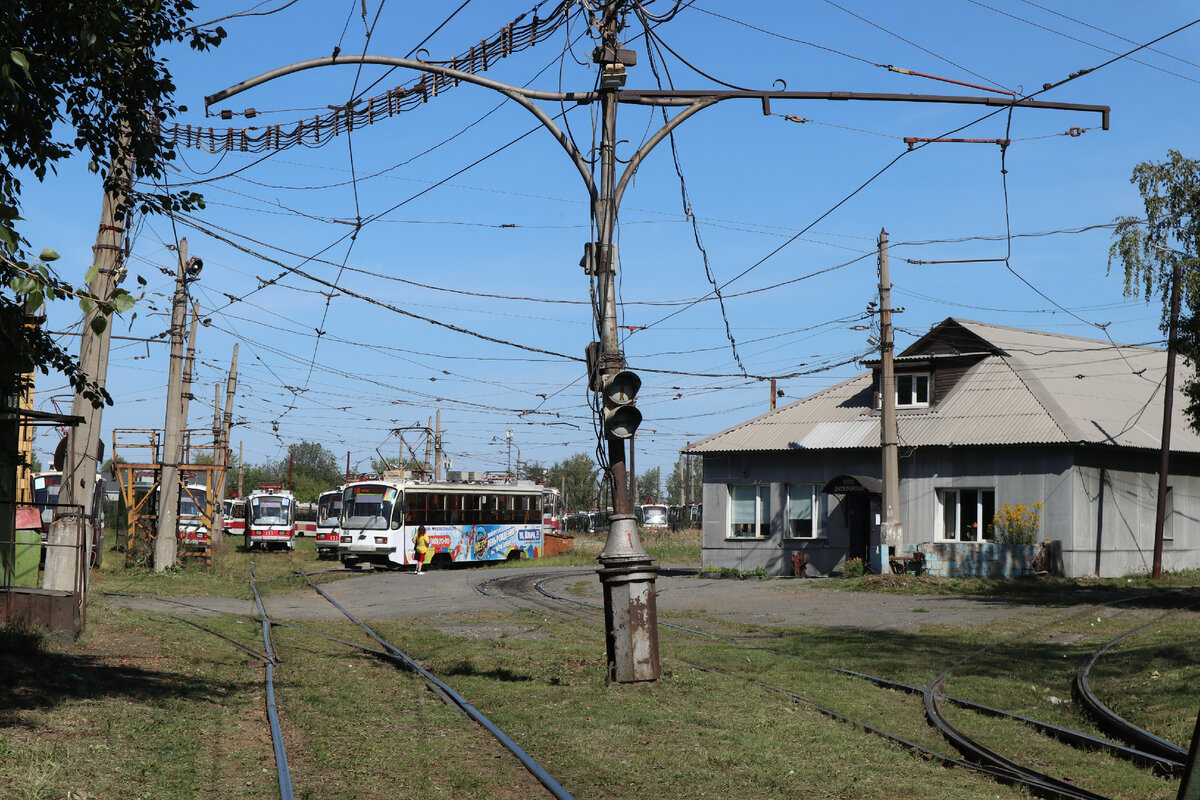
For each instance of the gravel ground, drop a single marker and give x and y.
(393, 595)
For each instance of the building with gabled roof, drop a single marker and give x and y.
(988, 416)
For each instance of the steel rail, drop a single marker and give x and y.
(534, 768)
(281, 763)
(1114, 723)
(986, 761)
(1041, 783)
(1165, 764)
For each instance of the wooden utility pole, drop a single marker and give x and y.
(891, 533)
(227, 427)
(1160, 512)
(82, 460)
(166, 544)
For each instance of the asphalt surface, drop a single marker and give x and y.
(777, 601)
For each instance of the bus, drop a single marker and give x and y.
(270, 519)
(46, 487)
(466, 522)
(329, 523)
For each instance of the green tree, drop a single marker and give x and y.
(648, 487)
(1166, 241)
(578, 474)
(313, 469)
(79, 75)
(535, 471)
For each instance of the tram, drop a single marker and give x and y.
(466, 522)
(270, 519)
(195, 516)
(234, 517)
(46, 487)
(651, 515)
(329, 523)
(552, 509)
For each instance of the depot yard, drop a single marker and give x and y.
(154, 702)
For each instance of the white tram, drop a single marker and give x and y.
(195, 516)
(466, 522)
(270, 519)
(329, 523)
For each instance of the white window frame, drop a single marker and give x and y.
(762, 512)
(814, 510)
(911, 400)
(954, 495)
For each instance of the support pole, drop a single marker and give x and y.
(83, 446)
(1160, 512)
(627, 573)
(891, 533)
(437, 448)
(166, 544)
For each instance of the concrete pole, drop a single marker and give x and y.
(437, 448)
(83, 454)
(227, 425)
(891, 533)
(1160, 512)
(627, 572)
(166, 545)
(216, 482)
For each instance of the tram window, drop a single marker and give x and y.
(488, 509)
(415, 508)
(454, 508)
(470, 509)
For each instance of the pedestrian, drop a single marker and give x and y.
(421, 544)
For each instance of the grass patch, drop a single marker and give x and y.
(147, 706)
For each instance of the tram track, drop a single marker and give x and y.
(531, 590)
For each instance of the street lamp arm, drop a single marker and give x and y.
(519, 94)
(635, 161)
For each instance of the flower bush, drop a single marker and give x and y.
(1017, 524)
(853, 568)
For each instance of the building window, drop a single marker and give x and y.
(967, 514)
(749, 511)
(912, 391)
(802, 510)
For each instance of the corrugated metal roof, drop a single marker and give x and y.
(1038, 388)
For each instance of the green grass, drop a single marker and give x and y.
(145, 706)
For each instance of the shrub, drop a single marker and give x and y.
(853, 568)
(1017, 524)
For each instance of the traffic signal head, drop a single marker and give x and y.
(621, 417)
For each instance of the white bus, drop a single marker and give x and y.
(270, 519)
(466, 522)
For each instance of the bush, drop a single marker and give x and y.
(853, 568)
(1017, 524)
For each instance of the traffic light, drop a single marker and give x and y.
(621, 417)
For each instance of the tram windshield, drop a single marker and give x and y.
(367, 507)
(654, 515)
(192, 503)
(270, 509)
(329, 510)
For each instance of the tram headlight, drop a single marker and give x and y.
(380, 540)
(347, 539)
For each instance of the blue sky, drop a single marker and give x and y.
(475, 217)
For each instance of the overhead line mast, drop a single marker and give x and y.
(627, 572)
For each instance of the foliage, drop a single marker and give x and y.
(578, 475)
(1152, 249)
(1017, 524)
(79, 75)
(648, 487)
(535, 471)
(853, 568)
(676, 494)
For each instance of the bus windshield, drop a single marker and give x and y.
(270, 510)
(329, 510)
(367, 507)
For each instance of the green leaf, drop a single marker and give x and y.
(23, 285)
(34, 301)
(49, 255)
(86, 304)
(99, 324)
(123, 301)
(19, 59)
(92, 273)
